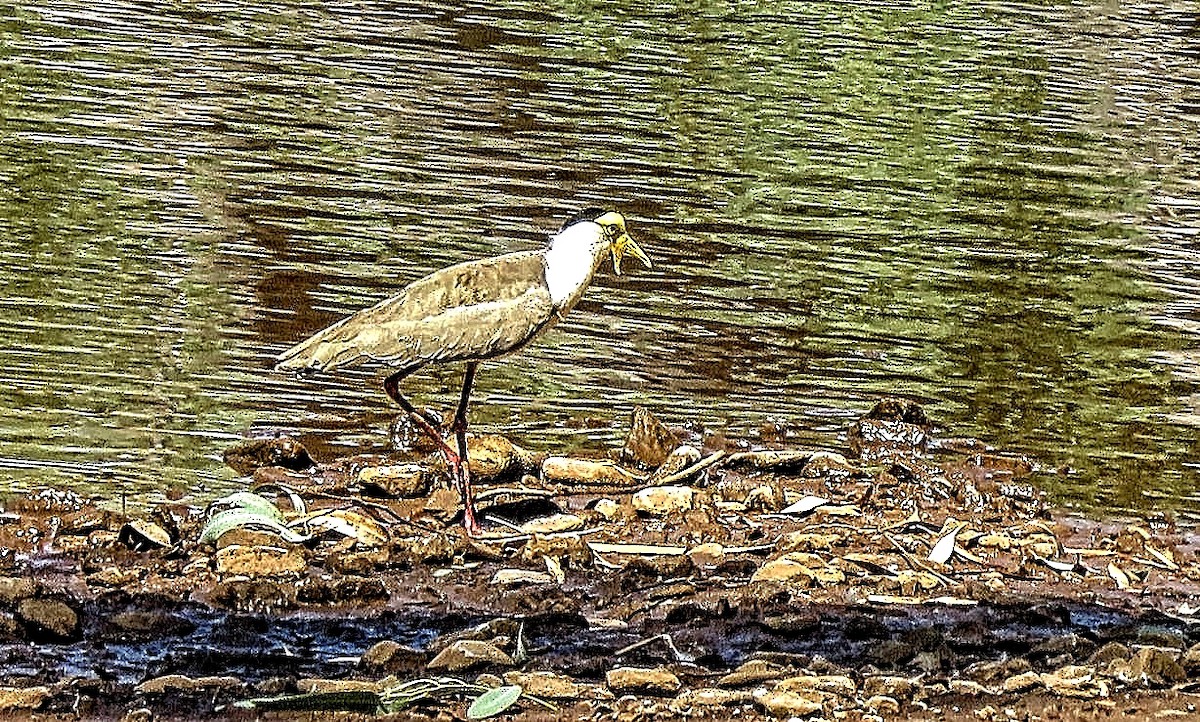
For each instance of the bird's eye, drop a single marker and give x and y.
(610, 231)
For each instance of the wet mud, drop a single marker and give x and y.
(904, 576)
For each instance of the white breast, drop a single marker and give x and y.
(571, 261)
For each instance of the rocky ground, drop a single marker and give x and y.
(902, 577)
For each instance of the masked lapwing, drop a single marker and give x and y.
(470, 313)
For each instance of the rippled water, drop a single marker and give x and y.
(989, 208)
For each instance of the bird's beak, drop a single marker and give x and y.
(625, 244)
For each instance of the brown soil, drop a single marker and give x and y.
(917, 580)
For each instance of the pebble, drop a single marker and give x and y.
(17, 698)
(260, 561)
(246, 456)
(552, 524)
(655, 680)
(14, 589)
(175, 682)
(899, 688)
(753, 672)
(548, 685)
(48, 617)
(467, 653)
(396, 481)
(664, 500)
(784, 704)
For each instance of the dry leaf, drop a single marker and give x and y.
(944, 549)
(805, 505)
(554, 568)
(1118, 576)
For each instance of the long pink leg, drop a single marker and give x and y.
(456, 461)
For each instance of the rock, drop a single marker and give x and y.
(246, 456)
(664, 500)
(548, 685)
(141, 535)
(690, 699)
(495, 458)
(678, 460)
(797, 567)
(883, 705)
(18, 698)
(552, 524)
(1110, 651)
(799, 541)
(179, 682)
(396, 481)
(898, 688)
(1019, 683)
(114, 577)
(260, 561)
(151, 625)
(1149, 667)
(707, 555)
(9, 629)
(894, 428)
(753, 672)
(48, 618)
(649, 442)
(789, 704)
(826, 463)
(520, 577)
(1190, 659)
(607, 508)
(390, 657)
(838, 684)
(468, 653)
(657, 680)
(968, 688)
(561, 469)
(14, 589)
(1075, 681)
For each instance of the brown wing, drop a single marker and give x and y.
(474, 310)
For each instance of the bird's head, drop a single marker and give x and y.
(613, 233)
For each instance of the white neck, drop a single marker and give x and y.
(571, 261)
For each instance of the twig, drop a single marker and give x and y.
(913, 561)
(679, 656)
(691, 470)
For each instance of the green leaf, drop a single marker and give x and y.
(494, 701)
(231, 519)
(316, 702)
(247, 501)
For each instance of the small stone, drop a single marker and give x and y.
(607, 508)
(142, 535)
(789, 704)
(1190, 659)
(883, 705)
(468, 653)
(260, 561)
(552, 524)
(179, 682)
(496, 458)
(14, 589)
(1155, 667)
(678, 460)
(114, 577)
(246, 456)
(753, 672)
(28, 698)
(899, 688)
(48, 617)
(548, 685)
(1074, 681)
(400, 480)
(825, 463)
(1023, 682)
(141, 714)
(702, 697)
(317, 685)
(967, 687)
(657, 680)
(520, 577)
(391, 657)
(649, 442)
(707, 555)
(838, 684)
(1110, 651)
(664, 500)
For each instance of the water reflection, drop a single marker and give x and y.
(988, 208)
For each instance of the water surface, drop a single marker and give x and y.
(989, 208)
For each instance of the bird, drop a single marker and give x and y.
(469, 313)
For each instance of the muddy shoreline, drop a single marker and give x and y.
(902, 577)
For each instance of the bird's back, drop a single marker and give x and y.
(473, 310)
